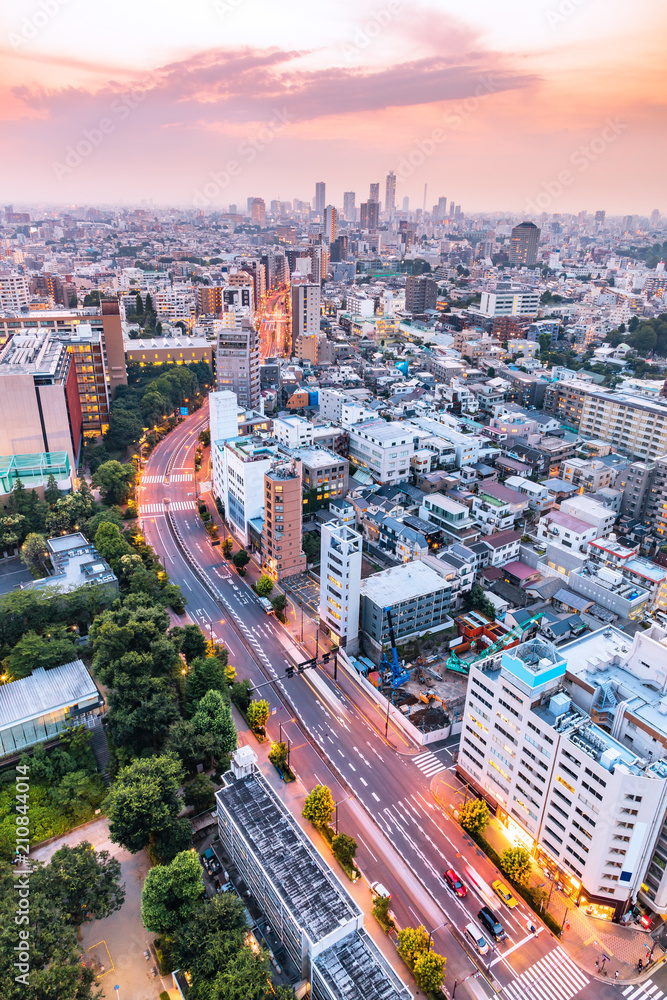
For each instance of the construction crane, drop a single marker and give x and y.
(398, 675)
(463, 666)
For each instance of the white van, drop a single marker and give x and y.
(473, 932)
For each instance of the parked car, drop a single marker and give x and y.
(490, 922)
(475, 935)
(455, 884)
(210, 862)
(501, 890)
(380, 890)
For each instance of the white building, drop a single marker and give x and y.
(511, 303)
(224, 424)
(14, 291)
(382, 448)
(243, 462)
(306, 296)
(569, 744)
(590, 510)
(293, 432)
(343, 408)
(340, 582)
(175, 303)
(566, 530)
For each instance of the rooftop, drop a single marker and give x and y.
(354, 969)
(401, 583)
(567, 521)
(45, 691)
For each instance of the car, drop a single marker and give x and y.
(475, 935)
(501, 890)
(490, 922)
(165, 500)
(455, 884)
(380, 890)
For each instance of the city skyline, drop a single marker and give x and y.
(556, 108)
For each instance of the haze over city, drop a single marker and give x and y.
(512, 92)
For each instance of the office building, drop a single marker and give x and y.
(524, 244)
(237, 363)
(370, 216)
(223, 415)
(421, 293)
(239, 464)
(112, 345)
(325, 477)
(569, 745)
(349, 206)
(317, 921)
(258, 212)
(499, 304)
(320, 197)
(340, 583)
(282, 556)
(418, 597)
(330, 228)
(390, 193)
(14, 291)
(383, 449)
(171, 350)
(40, 409)
(306, 308)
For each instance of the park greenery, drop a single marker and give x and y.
(647, 336)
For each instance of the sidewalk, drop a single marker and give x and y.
(585, 938)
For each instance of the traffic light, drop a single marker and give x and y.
(289, 672)
(326, 657)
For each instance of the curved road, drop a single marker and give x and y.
(405, 839)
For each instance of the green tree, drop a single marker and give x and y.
(278, 754)
(35, 554)
(474, 816)
(380, 910)
(50, 649)
(411, 943)
(205, 674)
(154, 407)
(115, 482)
(83, 883)
(429, 971)
(227, 547)
(319, 806)
(214, 718)
(478, 600)
(144, 804)
(139, 305)
(517, 864)
(344, 848)
(241, 560)
(190, 641)
(264, 585)
(246, 977)
(12, 531)
(200, 793)
(279, 603)
(52, 494)
(125, 427)
(171, 893)
(258, 714)
(110, 543)
(210, 937)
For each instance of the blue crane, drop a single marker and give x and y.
(398, 675)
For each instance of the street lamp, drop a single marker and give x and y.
(431, 933)
(336, 810)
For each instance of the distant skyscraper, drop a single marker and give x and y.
(330, 224)
(258, 212)
(406, 204)
(390, 192)
(600, 215)
(370, 215)
(320, 197)
(421, 293)
(524, 244)
(349, 206)
(375, 192)
(655, 217)
(628, 223)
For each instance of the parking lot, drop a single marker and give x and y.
(304, 588)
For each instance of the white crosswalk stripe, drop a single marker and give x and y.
(175, 477)
(428, 763)
(648, 990)
(160, 508)
(554, 977)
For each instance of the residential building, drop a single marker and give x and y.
(14, 291)
(40, 406)
(503, 547)
(566, 530)
(568, 744)
(591, 475)
(418, 597)
(282, 556)
(450, 515)
(524, 244)
(656, 504)
(237, 364)
(223, 424)
(113, 345)
(635, 425)
(510, 303)
(330, 225)
(293, 432)
(382, 448)
(325, 477)
(340, 583)
(35, 709)
(589, 510)
(238, 475)
(369, 218)
(390, 193)
(306, 308)
(538, 495)
(343, 408)
(611, 590)
(636, 486)
(634, 568)
(421, 293)
(496, 507)
(175, 304)
(315, 918)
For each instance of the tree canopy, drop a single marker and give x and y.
(171, 892)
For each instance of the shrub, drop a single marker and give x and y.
(517, 863)
(474, 816)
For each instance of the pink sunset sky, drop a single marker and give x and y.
(489, 103)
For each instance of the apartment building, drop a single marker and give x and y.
(293, 432)
(509, 303)
(175, 304)
(237, 364)
(382, 448)
(537, 495)
(636, 486)
(306, 309)
(633, 567)
(315, 918)
(340, 583)
(325, 477)
(450, 515)
(611, 590)
(635, 425)
(565, 399)
(239, 464)
(587, 509)
(565, 529)
(569, 745)
(656, 503)
(282, 556)
(14, 291)
(591, 475)
(418, 597)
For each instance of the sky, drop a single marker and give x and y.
(514, 106)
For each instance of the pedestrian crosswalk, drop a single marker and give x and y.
(554, 977)
(159, 508)
(174, 477)
(428, 763)
(646, 991)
